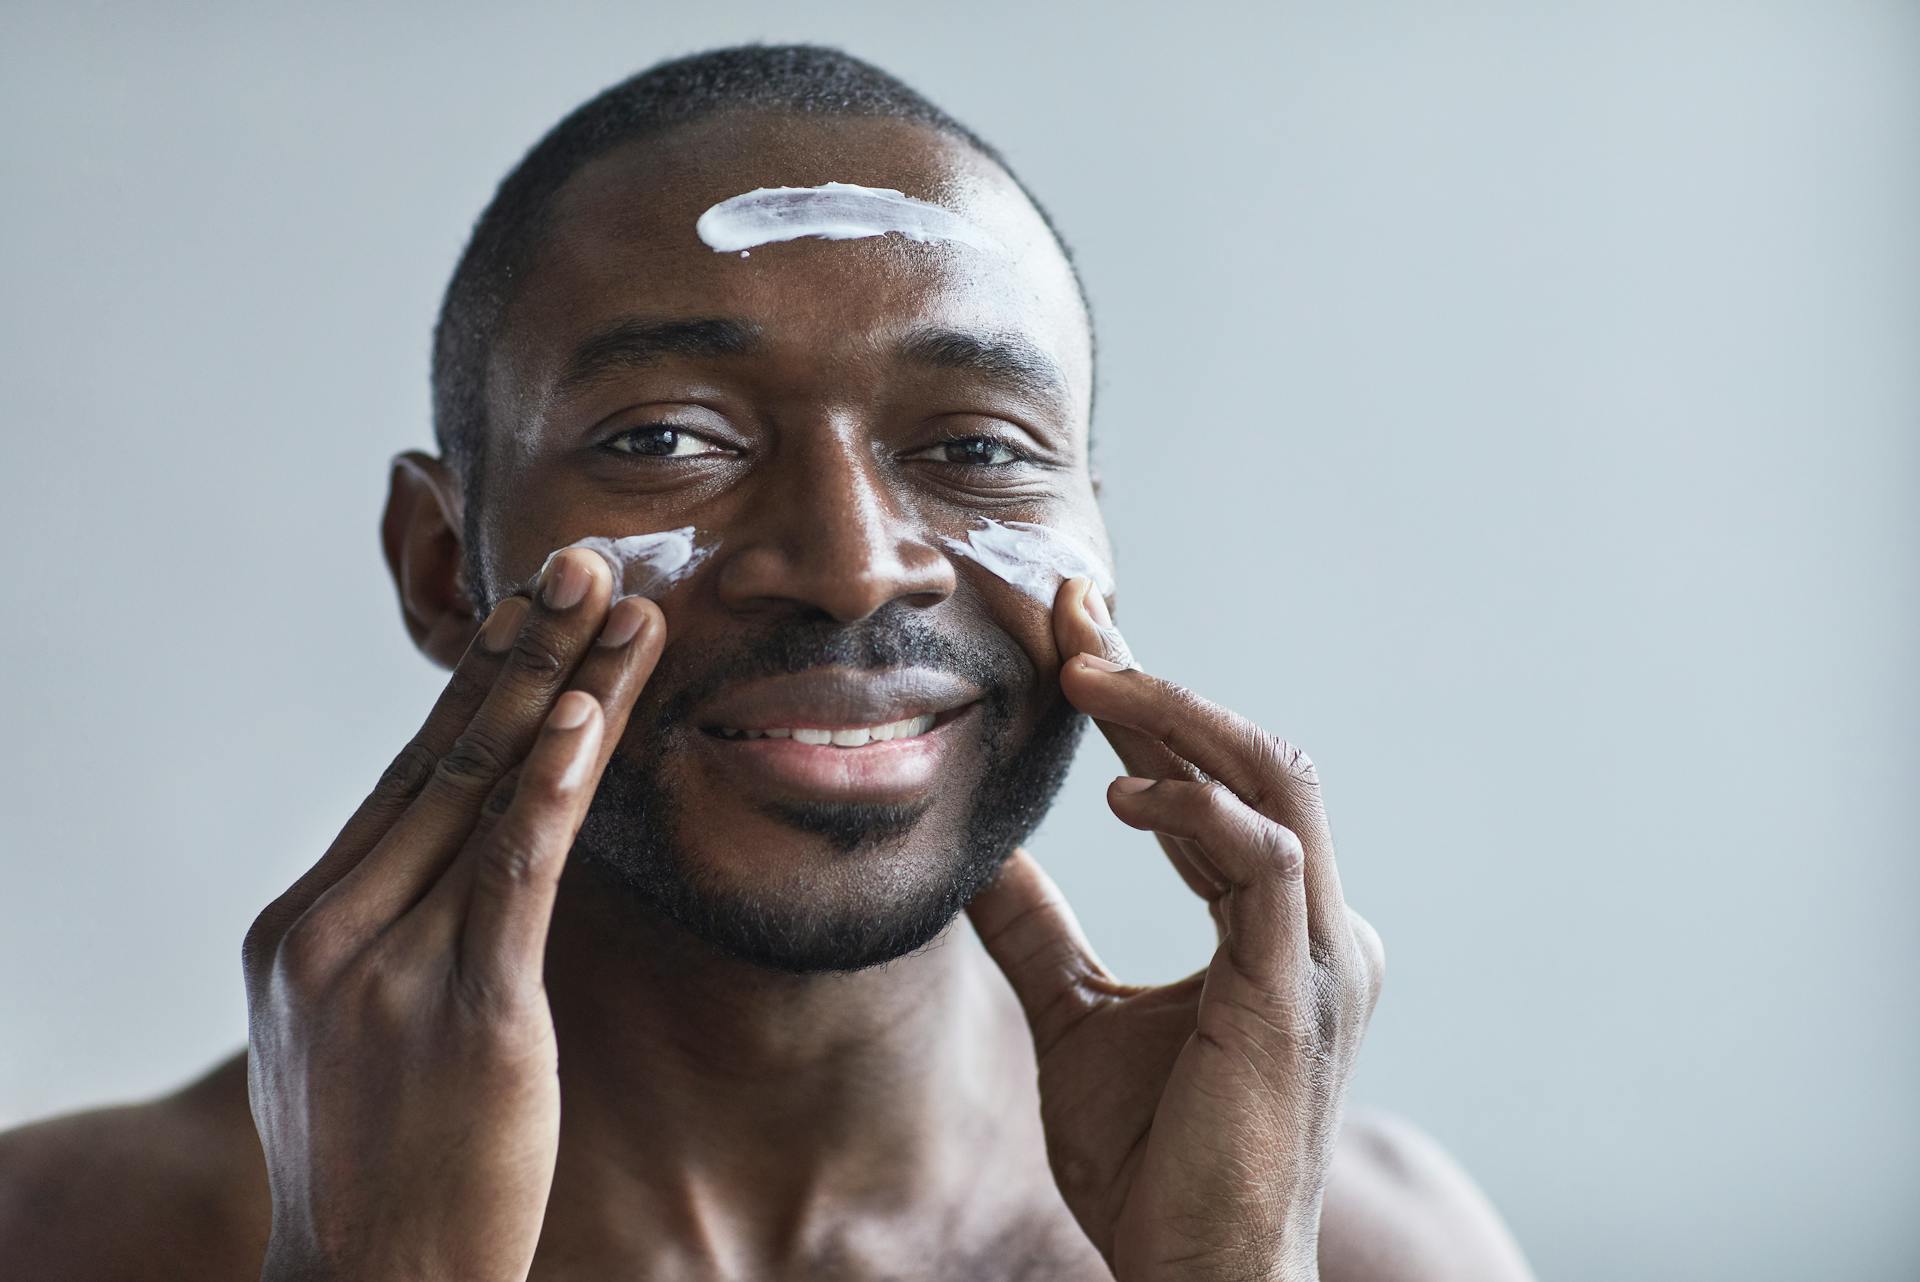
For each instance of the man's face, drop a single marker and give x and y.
(824, 414)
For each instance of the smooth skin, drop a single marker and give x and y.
(467, 1062)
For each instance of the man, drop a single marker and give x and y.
(691, 935)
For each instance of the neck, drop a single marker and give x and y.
(740, 1112)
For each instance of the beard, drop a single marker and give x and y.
(629, 838)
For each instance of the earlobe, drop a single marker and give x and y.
(421, 534)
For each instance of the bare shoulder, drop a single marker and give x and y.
(171, 1187)
(1399, 1209)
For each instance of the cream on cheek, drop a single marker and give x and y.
(648, 564)
(1037, 559)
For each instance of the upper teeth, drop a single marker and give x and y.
(856, 737)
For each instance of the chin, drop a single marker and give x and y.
(835, 887)
(807, 885)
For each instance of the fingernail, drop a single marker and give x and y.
(563, 581)
(497, 633)
(1130, 784)
(572, 711)
(1100, 664)
(1097, 606)
(623, 623)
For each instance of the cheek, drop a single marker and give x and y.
(1018, 567)
(1021, 616)
(1033, 559)
(650, 564)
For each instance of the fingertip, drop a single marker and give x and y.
(496, 634)
(656, 618)
(1070, 593)
(573, 710)
(1093, 663)
(1073, 628)
(1094, 605)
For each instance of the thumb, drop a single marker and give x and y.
(1032, 935)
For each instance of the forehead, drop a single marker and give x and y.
(620, 243)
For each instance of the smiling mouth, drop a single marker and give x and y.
(839, 736)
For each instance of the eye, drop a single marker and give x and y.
(973, 451)
(662, 440)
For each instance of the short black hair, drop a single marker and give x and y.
(795, 78)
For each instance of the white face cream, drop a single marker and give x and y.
(832, 211)
(1037, 559)
(647, 564)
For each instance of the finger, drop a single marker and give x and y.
(1373, 955)
(614, 673)
(409, 771)
(1258, 863)
(517, 867)
(1031, 933)
(1083, 623)
(1270, 775)
(560, 629)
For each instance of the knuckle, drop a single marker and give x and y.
(1214, 798)
(1373, 953)
(306, 954)
(468, 685)
(1204, 810)
(407, 773)
(262, 940)
(384, 994)
(1183, 705)
(537, 653)
(1332, 1011)
(514, 860)
(1270, 758)
(1297, 764)
(500, 799)
(477, 757)
(1169, 705)
(485, 1000)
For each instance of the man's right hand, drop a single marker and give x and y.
(401, 1059)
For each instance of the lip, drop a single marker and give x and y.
(835, 699)
(838, 698)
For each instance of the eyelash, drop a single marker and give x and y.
(1019, 456)
(640, 429)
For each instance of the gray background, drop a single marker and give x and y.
(1547, 373)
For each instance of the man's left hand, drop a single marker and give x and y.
(1190, 1126)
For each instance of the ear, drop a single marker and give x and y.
(421, 533)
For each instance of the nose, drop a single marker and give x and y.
(828, 530)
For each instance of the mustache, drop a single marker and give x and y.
(897, 635)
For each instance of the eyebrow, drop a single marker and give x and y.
(1004, 357)
(636, 343)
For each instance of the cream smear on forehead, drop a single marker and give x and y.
(647, 564)
(833, 211)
